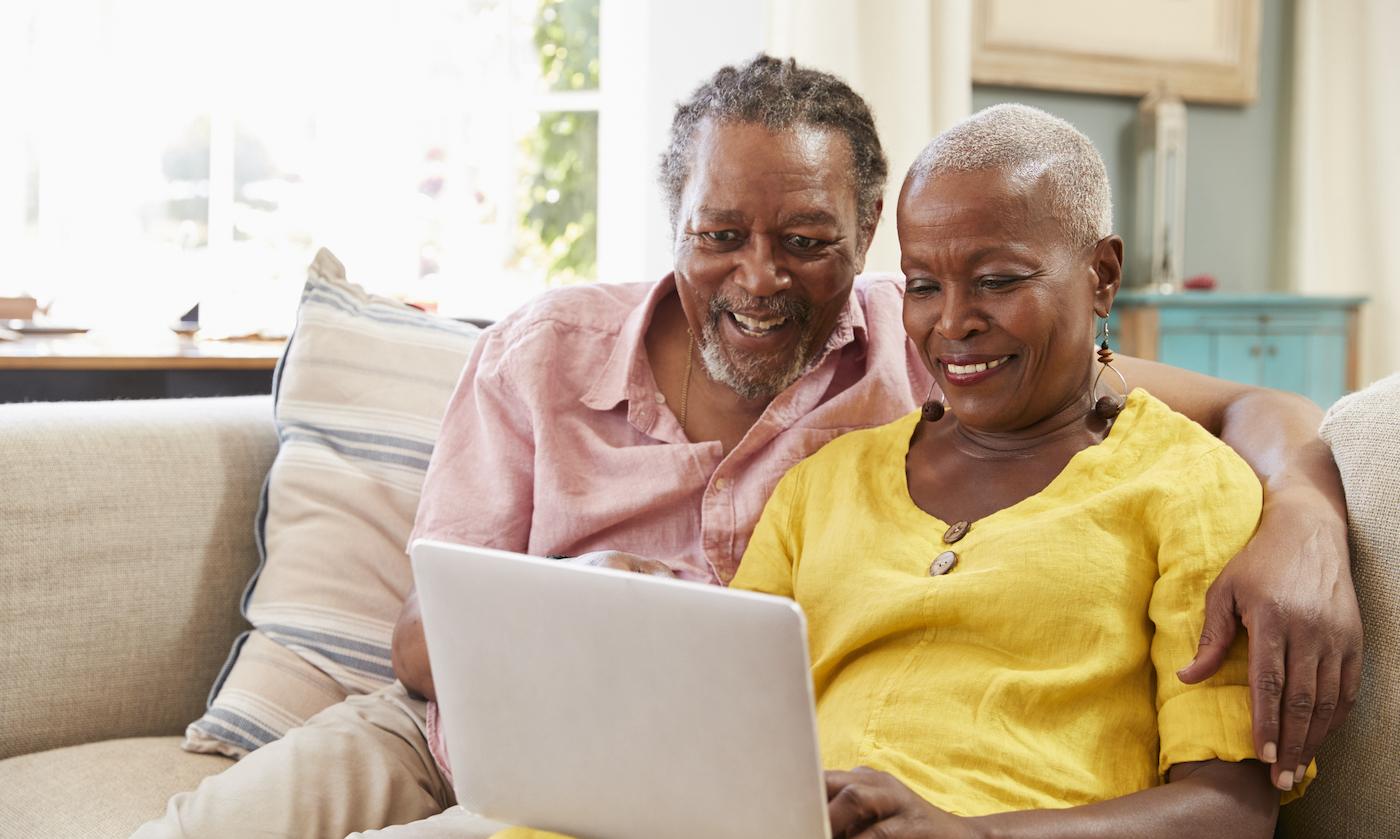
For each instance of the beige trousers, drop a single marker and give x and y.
(358, 766)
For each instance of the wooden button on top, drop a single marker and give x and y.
(943, 564)
(956, 532)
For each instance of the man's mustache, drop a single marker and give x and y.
(793, 308)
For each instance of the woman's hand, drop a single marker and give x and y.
(865, 804)
(620, 561)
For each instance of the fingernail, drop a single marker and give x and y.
(1270, 753)
(1301, 773)
(1285, 780)
(1188, 666)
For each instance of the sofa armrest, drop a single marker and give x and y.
(126, 539)
(1358, 766)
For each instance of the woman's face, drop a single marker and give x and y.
(999, 302)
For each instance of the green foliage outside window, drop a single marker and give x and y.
(560, 207)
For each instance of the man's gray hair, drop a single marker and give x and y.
(1031, 143)
(778, 94)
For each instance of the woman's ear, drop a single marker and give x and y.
(1107, 264)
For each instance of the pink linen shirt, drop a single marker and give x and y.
(558, 441)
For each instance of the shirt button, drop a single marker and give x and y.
(943, 564)
(721, 484)
(956, 532)
(660, 398)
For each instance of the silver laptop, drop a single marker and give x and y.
(610, 705)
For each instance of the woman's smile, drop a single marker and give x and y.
(964, 370)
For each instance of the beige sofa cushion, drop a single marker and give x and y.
(1357, 792)
(126, 536)
(359, 399)
(98, 790)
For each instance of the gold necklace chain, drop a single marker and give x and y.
(685, 386)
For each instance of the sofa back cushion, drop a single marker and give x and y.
(125, 539)
(1358, 767)
(359, 398)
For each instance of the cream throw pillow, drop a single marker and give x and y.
(359, 397)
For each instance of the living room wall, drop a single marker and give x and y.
(1237, 160)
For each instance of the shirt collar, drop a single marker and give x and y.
(625, 365)
(629, 355)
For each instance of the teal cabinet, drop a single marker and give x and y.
(1306, 345)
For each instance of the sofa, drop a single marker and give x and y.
(126, 541)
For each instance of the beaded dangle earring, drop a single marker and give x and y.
(1108, 407)
(933, 411)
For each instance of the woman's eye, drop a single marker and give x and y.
(921, 287)
(994, 283)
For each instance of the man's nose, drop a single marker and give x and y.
(758, 271)
(960, 315)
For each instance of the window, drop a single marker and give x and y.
(169, 152)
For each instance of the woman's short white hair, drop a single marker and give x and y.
(1035, 144)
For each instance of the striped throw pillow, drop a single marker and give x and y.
(358, 397)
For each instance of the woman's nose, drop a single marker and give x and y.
(959, 316)
(758, 271)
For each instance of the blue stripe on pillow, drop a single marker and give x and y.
(418, 463)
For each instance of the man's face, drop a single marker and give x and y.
(767, 247)
(997, 299)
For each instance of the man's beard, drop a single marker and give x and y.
(757, 376)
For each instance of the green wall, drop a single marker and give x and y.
(1236, 162)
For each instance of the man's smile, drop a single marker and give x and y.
(757, 326)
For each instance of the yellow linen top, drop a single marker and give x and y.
(1041, 671)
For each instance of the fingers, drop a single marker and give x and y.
(856, 800)
(1351, 686)
(1216, 636)
(1329, 683)
(656, 568)
(1266, 689)
(835, 782)
(1300, 697)
(601, 559)
(622, 561)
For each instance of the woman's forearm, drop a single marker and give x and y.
(1208, 799)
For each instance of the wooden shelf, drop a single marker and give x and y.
(97, 351)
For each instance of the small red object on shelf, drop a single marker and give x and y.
(1200, 282)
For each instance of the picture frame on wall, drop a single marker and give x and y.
(1198, 50)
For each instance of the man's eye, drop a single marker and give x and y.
(995, 283)
(803, 243)
(921, 287)
(720, 235)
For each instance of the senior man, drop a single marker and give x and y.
(657, 418)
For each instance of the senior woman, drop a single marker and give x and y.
(999, 597)
(1001, 587)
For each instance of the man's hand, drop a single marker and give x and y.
(409, 650)
(865, 804)
(621, 561)
(1291, 586)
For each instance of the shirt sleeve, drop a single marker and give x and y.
(479, 488)
(1212, 514)
(774, 549)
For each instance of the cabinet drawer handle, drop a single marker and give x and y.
(1254, 351)
(1273, 351)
